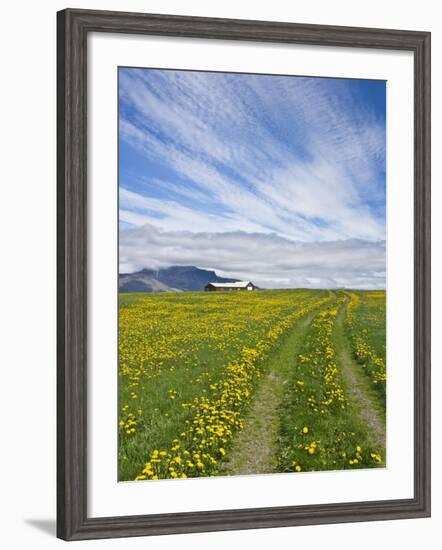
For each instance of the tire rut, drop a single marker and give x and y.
(254, 449)
(358, 389)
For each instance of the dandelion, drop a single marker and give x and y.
(159, 334)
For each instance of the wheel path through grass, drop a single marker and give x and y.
(364, 400)
(254, 449)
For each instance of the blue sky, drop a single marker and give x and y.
(272, 178)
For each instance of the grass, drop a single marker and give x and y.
(247, 382)
(320, 426)
(366, 404)
(365, 327)
(254, 450)
(174, 352)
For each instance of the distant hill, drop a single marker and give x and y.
(176, 278)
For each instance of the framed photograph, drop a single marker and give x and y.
(243, 274)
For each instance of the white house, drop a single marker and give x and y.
(239, 285)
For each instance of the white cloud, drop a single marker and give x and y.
(214, 130)
(267, 259)
(279, 180)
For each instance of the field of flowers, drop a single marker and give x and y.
(188, 363)
(365, 324)
(319, 430)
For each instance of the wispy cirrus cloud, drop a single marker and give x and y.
(301, 158)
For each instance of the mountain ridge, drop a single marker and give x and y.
(170, 279)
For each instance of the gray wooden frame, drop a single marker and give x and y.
(73, 27)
